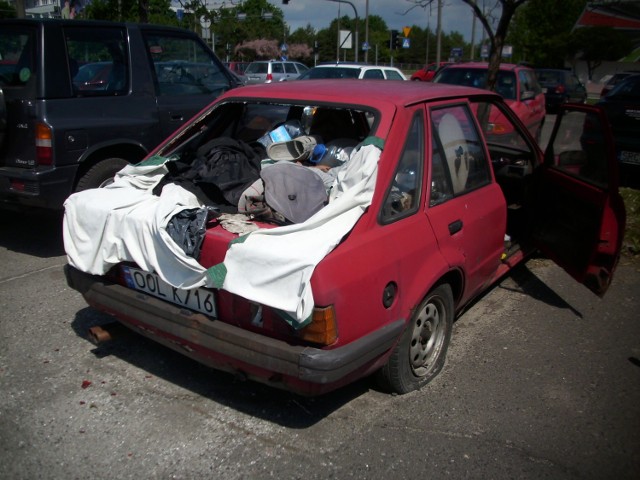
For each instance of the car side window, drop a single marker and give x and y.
(277, 68)
(183, 66)
(393, 75)
(403, 195)
(579, 148)
(458, 164)
(290, 68)
(98, 62)
(375, 74)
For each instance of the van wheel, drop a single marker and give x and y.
(421, 352)
(101, 174)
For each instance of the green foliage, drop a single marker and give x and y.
(541, 37)
(7, 10)
(631, 197)
(151, 11)
(597, 44)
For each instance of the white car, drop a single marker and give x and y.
(353, 70)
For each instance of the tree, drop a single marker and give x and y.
(7, 10)
(146, 11)
(540, 38)
(496, 35)
(596, 44)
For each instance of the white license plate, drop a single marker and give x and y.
(198, 299)
(630, 157)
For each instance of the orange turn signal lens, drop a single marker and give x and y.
(323, 327)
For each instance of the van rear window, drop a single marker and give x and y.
(17, 56)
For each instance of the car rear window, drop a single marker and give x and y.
(477, 77)
(257, 68)
(330, 72)
(549, 78)
(18, 66)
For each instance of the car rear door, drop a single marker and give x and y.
(579, 216)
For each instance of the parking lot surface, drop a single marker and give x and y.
(542, 381)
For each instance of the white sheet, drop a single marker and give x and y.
(126, 222)
(274, 266)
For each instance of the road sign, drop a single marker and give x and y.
(365, 46)
(406, 31)
(406, 43)
(205, 22)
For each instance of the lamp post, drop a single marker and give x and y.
(356, 14)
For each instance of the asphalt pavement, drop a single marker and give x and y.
(542, 381)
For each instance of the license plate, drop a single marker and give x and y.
(630, 157)
(198, 299)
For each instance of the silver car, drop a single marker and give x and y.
(273, 71)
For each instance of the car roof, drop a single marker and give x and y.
(373, 93)
(353, 65)
(485, 65)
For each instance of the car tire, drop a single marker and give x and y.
(420, 354)
(101, 174)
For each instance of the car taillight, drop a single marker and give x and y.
(44, 152)
(560, 89)
(269, 77)
(322, 329)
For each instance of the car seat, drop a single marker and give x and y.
(455, 151)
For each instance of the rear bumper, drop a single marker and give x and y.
(305, 370)
(45, 189)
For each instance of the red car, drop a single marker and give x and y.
(517, 84)
(427, 73)
(422, 215)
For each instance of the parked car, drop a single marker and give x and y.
(516, 83)
(82, 99)
(273, 71)
(427, 73)
(352, 70)
(419, 218)
(615, 79)
(237, 67)
(560, 86)
(622, 106)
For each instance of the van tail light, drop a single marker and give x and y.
(560, 89)
(323, 328)
(44, 152)
(269, 77)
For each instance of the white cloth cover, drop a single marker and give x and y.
(126, 222)
(274, 266)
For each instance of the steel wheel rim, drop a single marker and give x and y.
(427, 337)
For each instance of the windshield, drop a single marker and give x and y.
(257, 68)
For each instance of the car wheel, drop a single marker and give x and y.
(420, 354)
(101, 174)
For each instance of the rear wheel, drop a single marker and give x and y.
(101, 174)
(421, 352)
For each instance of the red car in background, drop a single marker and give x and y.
(422, 216)
(427, 73)
(517, 84)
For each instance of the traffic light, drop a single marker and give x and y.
(393, 44)
(285, 2)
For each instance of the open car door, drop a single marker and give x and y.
(579, 216)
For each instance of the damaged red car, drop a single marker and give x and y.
(306, 236)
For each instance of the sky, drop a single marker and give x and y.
(456, 16)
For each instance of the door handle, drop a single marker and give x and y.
(455, 227)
